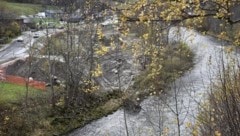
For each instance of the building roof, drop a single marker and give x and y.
(54, 11)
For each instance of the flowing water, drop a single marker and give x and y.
(158, 115)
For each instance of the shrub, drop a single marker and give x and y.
(166, 64)
(221, 114)
(15, 29)
(9, 30)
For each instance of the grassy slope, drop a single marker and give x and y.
(13, 109)
(13, 93)
(22, 8)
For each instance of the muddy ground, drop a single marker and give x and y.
(111, 65)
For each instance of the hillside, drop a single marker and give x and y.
(21, 8)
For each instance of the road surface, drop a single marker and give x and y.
(19, 50)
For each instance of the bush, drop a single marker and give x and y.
(15, 29)
(9, 30)
(166, 64)
(221, 114)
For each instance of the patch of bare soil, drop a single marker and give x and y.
(38, 69)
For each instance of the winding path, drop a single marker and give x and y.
(158, 116)
(19, 50)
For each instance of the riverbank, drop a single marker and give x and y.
(176, 112)
(48, 121)
(131, 100)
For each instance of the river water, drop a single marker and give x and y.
(158, 115)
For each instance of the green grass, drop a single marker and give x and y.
(23, 8)
(14, 93)
(45, 21)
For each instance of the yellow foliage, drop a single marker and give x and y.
(102, 50)
(90, 87)
(188, 124)
(217, 133)
(195, 132)
(60, 102)
(222, 35)
(166, 131)
(6, 118)
(146, 36)
(100, 33)
(98, 71)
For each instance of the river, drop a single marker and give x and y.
(158, 115)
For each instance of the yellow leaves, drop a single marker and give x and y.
(165, 131)
(123, 18)
(229, 49)
(216, 133)
(126, 14)
(188, 125)
(204, 33)
(193, 128)
(222, 35)
(124, 46)
(155, 66)
(237, 42)
(102, 50)
(195, 132)
(60, 102)
(90, 87)
(173, 10)
(100, 33)
(145, 36)
(98, 71)
(153, 93)
(6, 119)
(220, 15)
(139, 5)
(136, 50)
(237, 38)
(125, 32)
(112, 45)
(155, 71)
(212, 119)
(143, 18)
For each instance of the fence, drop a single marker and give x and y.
(2, 75)
(21, 81)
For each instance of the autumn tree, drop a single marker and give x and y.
(193, 13)
(77, 47)
(9, 28)
(217, 16)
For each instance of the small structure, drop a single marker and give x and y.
(40, 15)
(110, 23)
(113, 20)
(53, 13)
(28, 22)
(75, 19)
